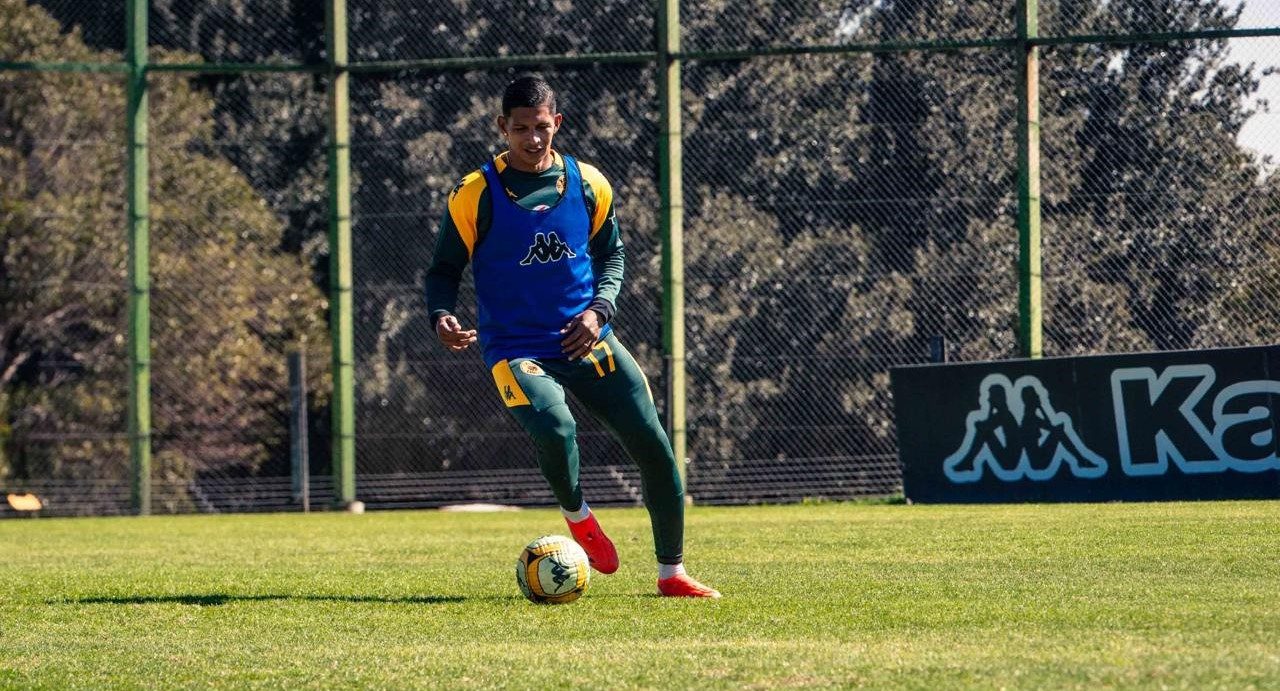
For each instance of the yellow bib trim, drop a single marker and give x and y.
(464, 204)
(603, 192)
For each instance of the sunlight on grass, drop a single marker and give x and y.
(839, 594)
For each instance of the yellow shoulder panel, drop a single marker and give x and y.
(464, 202)
(603, 192)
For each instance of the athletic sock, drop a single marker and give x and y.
(666, 571)
(577, 516)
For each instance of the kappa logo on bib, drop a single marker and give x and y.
(546, 248)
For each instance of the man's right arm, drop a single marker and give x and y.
(451, 258)
(459, 229)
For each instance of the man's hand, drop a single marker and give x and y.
(450, 333)
(581, 334)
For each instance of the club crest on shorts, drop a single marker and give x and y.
(531, 368)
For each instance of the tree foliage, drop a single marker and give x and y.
(226, 301)
(840, 209)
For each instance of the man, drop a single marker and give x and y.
(540, 233)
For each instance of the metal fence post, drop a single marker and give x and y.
(139, 300)
(1029, 242)
(938, 349)
(340, 272)
(670, 172)
(299, 452)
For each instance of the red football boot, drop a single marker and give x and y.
(599, 548)
(684, 586)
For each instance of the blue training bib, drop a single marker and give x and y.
(532, 271)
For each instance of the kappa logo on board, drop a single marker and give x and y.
(1160, 420)
(1016, 434)
(1167, 418)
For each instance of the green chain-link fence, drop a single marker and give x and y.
(841, 210)
(237, 174)
(850, 192)
(428, 429)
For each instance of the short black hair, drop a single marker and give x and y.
(528, 91)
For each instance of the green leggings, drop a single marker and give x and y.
(609, 383)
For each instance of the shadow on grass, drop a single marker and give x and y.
(218, 599)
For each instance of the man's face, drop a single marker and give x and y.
(528, 132)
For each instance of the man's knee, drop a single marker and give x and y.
(553, 427)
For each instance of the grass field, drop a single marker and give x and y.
(1147, 595)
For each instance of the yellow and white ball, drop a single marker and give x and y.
(553, 569)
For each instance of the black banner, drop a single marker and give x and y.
(1148, 426)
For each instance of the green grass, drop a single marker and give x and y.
(1121, 595)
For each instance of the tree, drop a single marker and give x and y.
(226, 301)
(840, 209)
(1145, 183)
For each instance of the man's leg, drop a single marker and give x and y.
(611, 385)
(536, 400)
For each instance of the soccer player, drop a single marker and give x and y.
(540, 233)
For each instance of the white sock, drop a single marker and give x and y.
(577, 516)
(668, 570)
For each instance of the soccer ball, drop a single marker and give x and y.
(553, 569)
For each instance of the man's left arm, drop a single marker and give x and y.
(608, 258)
(607, 262)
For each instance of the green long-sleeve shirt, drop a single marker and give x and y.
(467, 220)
